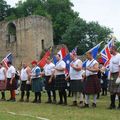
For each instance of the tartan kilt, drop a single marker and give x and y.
(60, 82)
(76, 85)
(2, 85)
(113, 87)
(12, 86)
(92, 85)
(37, 84)
(49, 86)
(24, 86)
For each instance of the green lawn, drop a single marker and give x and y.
(30, 111)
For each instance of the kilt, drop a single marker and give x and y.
(12, 86)
(113, 87)
(2, 85)
(60, 82)
(24, 86)
(49, 86)
(92, 85)
(76, 85)
(37, 84)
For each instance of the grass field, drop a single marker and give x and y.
(30, 111)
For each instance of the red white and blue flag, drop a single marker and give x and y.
(105, 54)
(8, 58)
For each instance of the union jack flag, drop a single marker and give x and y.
(8, 58)
(105, 54)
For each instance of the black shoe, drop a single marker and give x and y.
(49, 101)
(60, 103)
(74, 103)
(21, 100)
(86, 106)
(2, 99)
(13, 100)
(39, 101)
(111, 107)
(34, 101)
(27, 100)
(94, 105)
(9, 99)
(54, 102)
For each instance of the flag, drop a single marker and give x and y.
(62, 52)
(94, 52)
(42, 62)
(8, 58)
(105, 53)
(67, 60)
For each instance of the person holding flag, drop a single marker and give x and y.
(75, 74)
(114, 74)
(92, 83)
(49, 80)
(60, 82)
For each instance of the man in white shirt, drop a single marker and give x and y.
(114, 74)
(25, 82)
(49, 80)
(11, 81)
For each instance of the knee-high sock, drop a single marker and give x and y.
(81, 96)
(94, 98)
(65, 96)
(54, 95)
(49, 95)
(22, 94)
(74, 96)
(28, 94)
(112, 97)
(3, 94)
(13, 94)
(87, 99)
(60, 96)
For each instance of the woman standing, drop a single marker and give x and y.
(36, 82)
(60, 82)
(2, 81)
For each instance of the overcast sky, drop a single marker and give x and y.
(106, 12)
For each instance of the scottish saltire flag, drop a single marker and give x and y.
(94, 52)
(105, 53)
(8, 58)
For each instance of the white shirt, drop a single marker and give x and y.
(60, 64)
(11, 70)
(24, 74)
(115, 63)
(34, 72)
(91, 64)
(48, 69)
(2, 74)
(76, 75)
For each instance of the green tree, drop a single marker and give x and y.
(4, 7)
(84, 35)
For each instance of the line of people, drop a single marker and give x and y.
(83, 82)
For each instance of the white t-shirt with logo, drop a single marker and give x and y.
(74, 74)
(115, 63)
